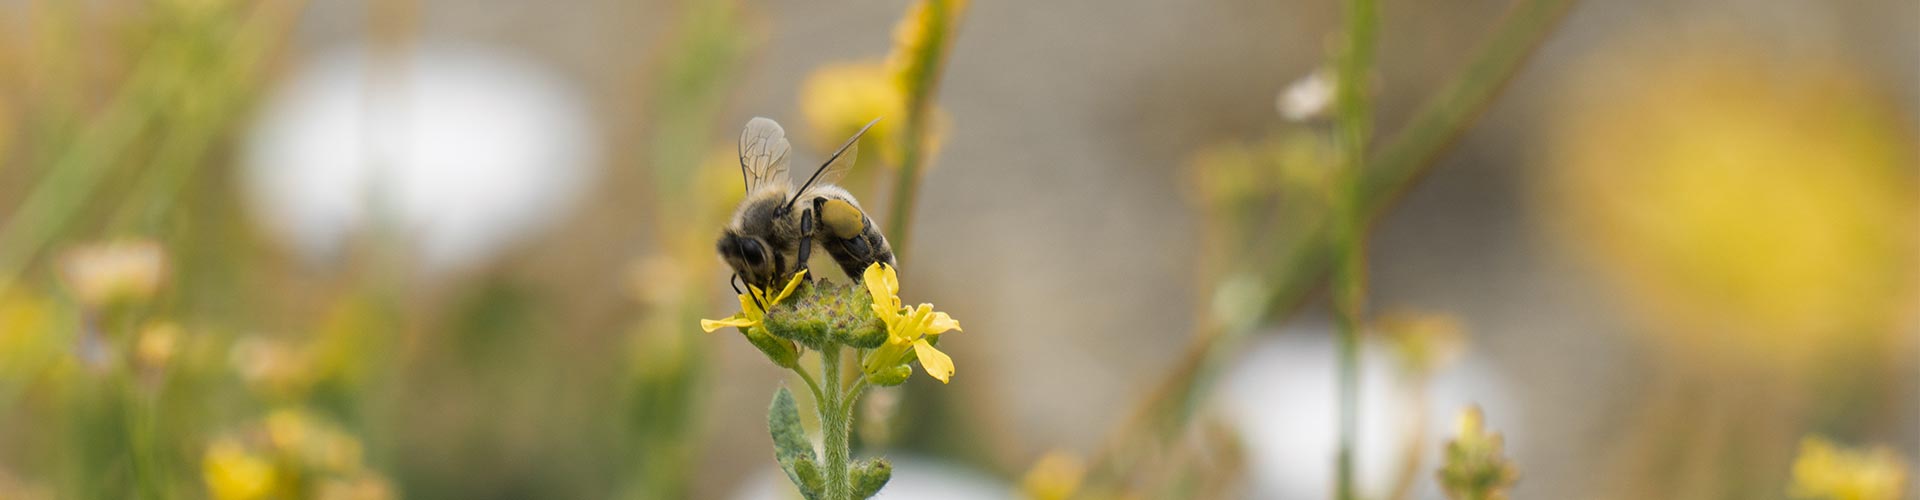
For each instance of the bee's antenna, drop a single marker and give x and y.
(734, 282)
(823, 166)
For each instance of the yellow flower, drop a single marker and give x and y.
(751, 314)
(365, 487)
(1423, 342)
(915, 35)
(1758, 209)
(838, 99)
(1056, 476)
(908, 327)
(28, 333)
(1826, 471)
(101, 274)
(231, 473)
(157, 344)
(312, 441)
(1474, 464)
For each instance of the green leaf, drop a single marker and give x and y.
(870, 475)
(790, 445)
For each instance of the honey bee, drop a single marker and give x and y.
(773, 232)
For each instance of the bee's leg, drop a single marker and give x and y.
(735, 283)
(806, 239)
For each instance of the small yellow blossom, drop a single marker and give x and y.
(751, 314)
(365, 487)
(313, 442)
(27, 333)
(839, 98)
(157, 345)
(908, 327)
(1475, 465)
(105, 273)
(232, 473)
(1424, 342)
(915, 35)
(1828, 472)
(1056, 476)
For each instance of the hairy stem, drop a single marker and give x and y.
(834, 426)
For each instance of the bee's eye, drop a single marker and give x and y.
(752, 252)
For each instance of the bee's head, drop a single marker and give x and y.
(749, 256)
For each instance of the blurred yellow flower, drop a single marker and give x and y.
(291, 454)
(908, 327)
(916, 33)
(364, 487)
(105, 273)
(837, 99)
(1824, 471)
(26, 320)
(272, 366)
(313, 442)
(751, 314)
(231, 473)
(1056, 476)
(1474, 465)
(1743, 204)
(1293, 161)
(1423, 342)
(157, 344)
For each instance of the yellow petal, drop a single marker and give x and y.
(887, 314)
(791, 284)
(915, 324)
(882, 284)
(737, 320)
(941, 323)
(935, 362)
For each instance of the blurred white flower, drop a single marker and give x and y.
(99, 274)
(1282, 398)
(457, 149)
(1307, 98)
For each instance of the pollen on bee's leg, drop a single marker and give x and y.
(842, 218)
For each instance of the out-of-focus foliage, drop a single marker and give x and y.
(1746, 195)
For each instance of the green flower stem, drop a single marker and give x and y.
(834, 427)
(811, 384)
(1287, 280)
(930, 60)
(1349, 227)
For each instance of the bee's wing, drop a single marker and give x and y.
(763, 153)
(838, 168)
(840, 163)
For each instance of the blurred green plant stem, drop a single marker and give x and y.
(1347, 230)
(923, 82)
(181, 91)
(1283, 283)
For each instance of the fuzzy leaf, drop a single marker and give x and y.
(869, 476)
(790, 445)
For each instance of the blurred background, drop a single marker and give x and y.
(457, 249)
